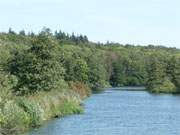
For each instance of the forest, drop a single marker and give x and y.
(46, 75)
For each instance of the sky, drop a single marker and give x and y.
(125, 21)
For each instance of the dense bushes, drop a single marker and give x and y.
(33, 109)
(13, 118)
(173, 70)
(166, 86)
(163, 73)
(37, 68)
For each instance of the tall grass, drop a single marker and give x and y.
(18, 114)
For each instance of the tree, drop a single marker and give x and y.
(118, 77)
(76, 69)
(37, 68)
(97, 75)
(73, 38)
(81, 70)
(173, 71)
(86, 39)
(22, 32)
(11, 31)
(60, 35)
(157, 78)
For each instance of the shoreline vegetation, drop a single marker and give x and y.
(47, 75)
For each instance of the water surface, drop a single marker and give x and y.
(117, 112)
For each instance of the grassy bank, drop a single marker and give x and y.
(21, 113)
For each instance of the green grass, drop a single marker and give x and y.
(19, 114)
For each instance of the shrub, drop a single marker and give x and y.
(166, 87)
(33, 109)
(14, 118)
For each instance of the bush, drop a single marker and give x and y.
(13, 118)
(33, 109)
(166, 87)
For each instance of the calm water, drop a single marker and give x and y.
(116, 112)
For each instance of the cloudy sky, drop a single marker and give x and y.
(125, 21)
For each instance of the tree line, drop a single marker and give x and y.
(41, 61)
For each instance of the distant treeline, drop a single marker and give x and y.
(60, 35)
(78, 38)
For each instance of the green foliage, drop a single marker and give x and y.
(156, 72)
(77, 39)
(37, 68)
(33, 109)
(97, 71)
(7, 82)
(70, 108)
(52, 57)
(76, 69)
(173, 70)
(163, 74)
(13, 118)
(118, 77)
(54, 103)
(165, 87)
(21, 113)
(81, 70)
(129, 70)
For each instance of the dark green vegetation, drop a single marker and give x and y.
(46, 75)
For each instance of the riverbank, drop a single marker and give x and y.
(117, 112)
(19, 114)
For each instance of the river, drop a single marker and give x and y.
(120, 112)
